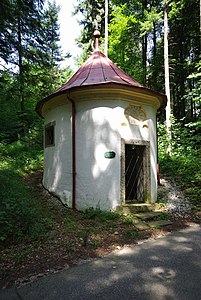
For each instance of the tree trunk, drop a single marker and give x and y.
(154, 74)
(144, 58)
(200, 26)
(144, 47)
(21, 77)
(167, 78)
(106, 27)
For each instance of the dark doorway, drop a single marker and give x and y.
(134, 173)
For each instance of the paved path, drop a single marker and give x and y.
(167, 268)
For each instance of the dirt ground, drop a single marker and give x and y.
(73, 238)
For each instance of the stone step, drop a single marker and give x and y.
(136, 208)
(141, 225)
(160, 223)
(148, 215)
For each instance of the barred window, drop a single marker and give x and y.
(50, 134)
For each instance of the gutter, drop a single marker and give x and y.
(157, 163)
(73, 151)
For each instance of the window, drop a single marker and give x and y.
(50, 134)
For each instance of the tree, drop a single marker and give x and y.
(93, 13)
(167, 77)
(125, 41)
(106, 27)
(31, 70)
(22, 27)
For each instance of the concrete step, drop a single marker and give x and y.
(136, 208)
(160, 223)
(141, 225)
(148, 215)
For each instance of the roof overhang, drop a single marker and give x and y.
(110, 91)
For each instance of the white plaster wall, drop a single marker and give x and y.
(100, 125)
(57, 159)
(98, 178)
(151, 114)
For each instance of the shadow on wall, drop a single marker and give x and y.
(98, 130)
(58, 170)
(98, 178)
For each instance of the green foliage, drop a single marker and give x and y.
(91, 213)
(151, 17)
(30, 55)
(124, 30)
(20, 216)
(194, 93)
(93, 14)
(85, 237)
(184, 164)
(134, 234)
(162, 216)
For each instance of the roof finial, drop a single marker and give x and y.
(96, 36)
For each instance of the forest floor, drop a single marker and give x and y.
(75, 237)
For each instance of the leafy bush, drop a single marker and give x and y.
(184, 163)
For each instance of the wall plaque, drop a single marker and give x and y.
(135, 112)
(109, 154)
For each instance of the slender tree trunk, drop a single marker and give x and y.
(167, 78)
(106, 27)
(144, 58)
(154, 74)
(21, 75)
(200, 25)
(181, 75)
(144, 47)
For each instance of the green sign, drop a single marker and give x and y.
(109, 154)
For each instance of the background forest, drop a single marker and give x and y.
(30, 57)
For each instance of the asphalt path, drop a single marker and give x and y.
(163, 269)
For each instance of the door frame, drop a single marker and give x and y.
(146, 171)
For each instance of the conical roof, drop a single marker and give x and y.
(99, 71)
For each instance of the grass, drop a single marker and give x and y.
(92, 213)
(26, 217)
(29, 218)
(20, 214)
(184, 164)
(162, 216)
(36, 231)
(186, 171)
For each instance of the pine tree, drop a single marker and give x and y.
(93, 12)
(32, 55)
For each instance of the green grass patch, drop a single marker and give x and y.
(162, 216)
(20, 215)
(134, 234)
(184, 164)
(92, 213)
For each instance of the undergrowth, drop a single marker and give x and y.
(20, 215)
(184, 164)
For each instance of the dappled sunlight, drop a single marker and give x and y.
(153, 292)
(154, 270)
(100, 127)
(181, 239)
(125, 251)
(163, 273)
(57, 174)
(98, 177)
(101, 163)
(182, 248)
(57, 167)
